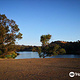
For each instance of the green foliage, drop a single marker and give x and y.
(62, 51)
(55, 49)
(9, 32)
(44, 39)
(11, 55)
(38, 49)
(50, 49)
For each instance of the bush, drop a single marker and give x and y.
(11, 55)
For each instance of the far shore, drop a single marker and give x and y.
(39, 69)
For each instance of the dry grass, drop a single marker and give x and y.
(39, 69)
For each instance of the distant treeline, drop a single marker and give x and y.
(70, 47)
(25, 48)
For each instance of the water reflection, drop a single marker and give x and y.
(30, 54)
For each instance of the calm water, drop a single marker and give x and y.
(30, 54)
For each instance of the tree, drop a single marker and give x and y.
(45, 39)
(38, 49)
(9, 32)
(55, 49)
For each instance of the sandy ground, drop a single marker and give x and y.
(39, 69)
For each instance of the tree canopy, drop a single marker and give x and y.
(9, 32)
(45, 39)
(49, 49)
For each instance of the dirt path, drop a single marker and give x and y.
(39, 69)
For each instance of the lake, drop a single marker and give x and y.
(30, 54)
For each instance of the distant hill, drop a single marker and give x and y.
(70, 47)
(58, 42)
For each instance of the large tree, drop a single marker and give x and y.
(9, 32)
(49, 49)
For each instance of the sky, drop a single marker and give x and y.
(60, 18)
